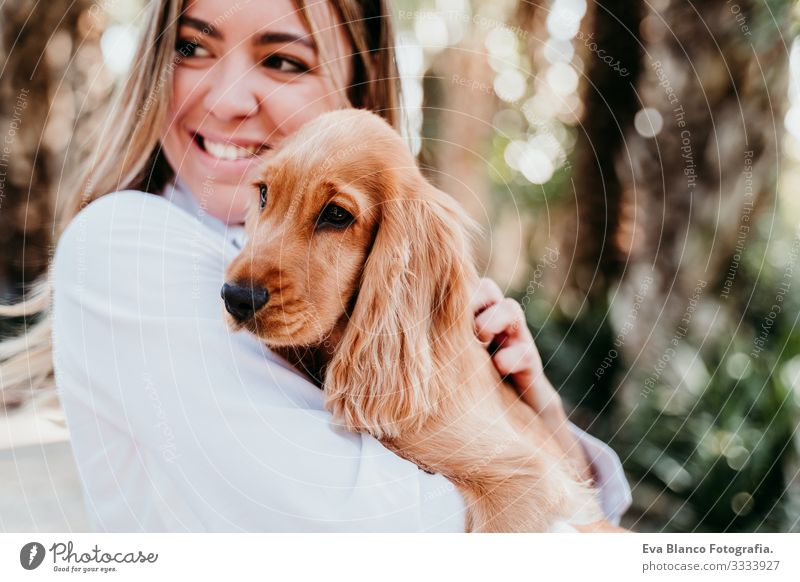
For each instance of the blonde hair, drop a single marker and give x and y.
(136, 118)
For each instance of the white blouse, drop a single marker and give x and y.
(178, 424)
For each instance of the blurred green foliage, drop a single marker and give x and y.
(713, 445)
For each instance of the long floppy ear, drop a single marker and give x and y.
(400, 352)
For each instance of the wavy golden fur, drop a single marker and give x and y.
(376, 311)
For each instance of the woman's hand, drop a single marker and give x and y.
(500, 324)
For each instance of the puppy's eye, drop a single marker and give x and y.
(262, 188)
(336, 216)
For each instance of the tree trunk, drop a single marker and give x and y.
(52, 74)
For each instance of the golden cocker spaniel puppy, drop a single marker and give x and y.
(359, 272)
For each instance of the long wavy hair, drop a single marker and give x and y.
(128, 155)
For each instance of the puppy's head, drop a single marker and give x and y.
(314, 215)
(348, 235)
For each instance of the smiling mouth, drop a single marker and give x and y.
(228, 151)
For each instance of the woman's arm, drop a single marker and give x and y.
(501, 322)
(140, 345)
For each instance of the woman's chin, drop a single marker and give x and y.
(225, 202)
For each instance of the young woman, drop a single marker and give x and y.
(177, 424)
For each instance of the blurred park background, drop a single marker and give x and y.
(635, 166)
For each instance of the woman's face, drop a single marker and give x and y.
(247, 74)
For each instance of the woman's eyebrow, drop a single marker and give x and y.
(200, 25)
(269, 37)
(285, 38)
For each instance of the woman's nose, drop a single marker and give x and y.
(242, 302)
(232, 93)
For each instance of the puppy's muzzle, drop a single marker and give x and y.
(243, 302)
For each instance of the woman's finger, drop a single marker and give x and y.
(523, 364)
(486, 294)
(520, 357)
(503, 317)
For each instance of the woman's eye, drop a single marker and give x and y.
(335, 216)
(189, 48)
(284, 64)
(263, 191)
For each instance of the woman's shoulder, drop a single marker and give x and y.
(127, 229)
(123, 198)
(124, 218)
(120, 208)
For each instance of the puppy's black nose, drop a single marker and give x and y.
(243, 302)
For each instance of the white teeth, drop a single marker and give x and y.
(227, 151)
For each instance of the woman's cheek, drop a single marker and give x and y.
(297, 104)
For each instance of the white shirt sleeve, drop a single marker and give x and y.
(169, 412)
(612, 489)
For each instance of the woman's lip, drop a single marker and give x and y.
(245, 143)
(235, 167)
